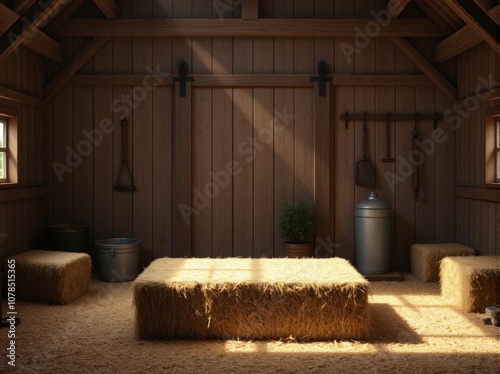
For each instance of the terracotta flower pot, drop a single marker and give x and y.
(293, 250)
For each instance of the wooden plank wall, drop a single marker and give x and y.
(240, 219)
(477, 222)
(23, 221)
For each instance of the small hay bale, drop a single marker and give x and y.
(471, 283)
(235, 298)
(425, 258)
(50, 276)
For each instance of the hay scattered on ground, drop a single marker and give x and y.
(307, 299)
(471, 283)
(425, 258)
(50, 276)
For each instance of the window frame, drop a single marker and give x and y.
(492, 148)
(5, 149)
(497, 150)
(10, 117)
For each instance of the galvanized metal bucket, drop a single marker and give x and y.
(118, 259)
(373, 224)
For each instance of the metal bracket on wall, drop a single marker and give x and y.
(322, 78)
(182, 78)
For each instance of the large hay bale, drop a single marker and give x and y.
(307, 299)
(425, 258)
(471, 283)
(50, 276)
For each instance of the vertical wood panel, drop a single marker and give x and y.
(83, 120)
(222, 151)
(283, 135)
(122, 108)
(103, 149)
(182, 227)
(162, 152)
(263, 128)
(143, 157)
(63, 140)
(425, 207)
(243, 152)
(202, 148)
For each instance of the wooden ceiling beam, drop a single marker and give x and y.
(36, 40)
(21, 6)
(462, 40)
(63, 15)
(427, 68)
(446, 12)
(433, 15)
(108, 7)
(73, 67)
(396, 7)
(472, 14)
(119, 28)
(485, 5)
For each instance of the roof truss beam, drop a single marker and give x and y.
(126, 28)
(462, 40)
(13, 26)
(475, 17)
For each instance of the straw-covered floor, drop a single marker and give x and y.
(307, 299)
(415, 331)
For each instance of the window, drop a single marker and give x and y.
(492, 147)
(8, 146)
(4, 151)
(497, 151)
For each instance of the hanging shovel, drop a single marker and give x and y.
(365, 170)
(124, 167)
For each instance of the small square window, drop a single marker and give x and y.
(3, 151)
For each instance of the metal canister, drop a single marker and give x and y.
(373, 225)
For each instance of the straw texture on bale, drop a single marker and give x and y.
(425, 258)
(471, 283)
(242, 298)
(50, 276)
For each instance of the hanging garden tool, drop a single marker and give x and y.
(415, 177)
(388, 157)
(365, 170)
(124, 166)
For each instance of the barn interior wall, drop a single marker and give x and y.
(239, 220)
(478, 218)
(22, 212)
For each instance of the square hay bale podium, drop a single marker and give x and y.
(243, 298)
(51, 276)
(425, 258)
(471, 283)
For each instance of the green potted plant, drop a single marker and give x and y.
(297, 225)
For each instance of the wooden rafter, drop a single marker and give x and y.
(108, 7)
(118, 28)
(73, 67)
(21, 6)
(38, 41)
(63, 15)
(426, 67)
(396, 7)
(19, 97)
(485, 5)
(462, 40)
(432, 14)
(446, 12)
(474, 16)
